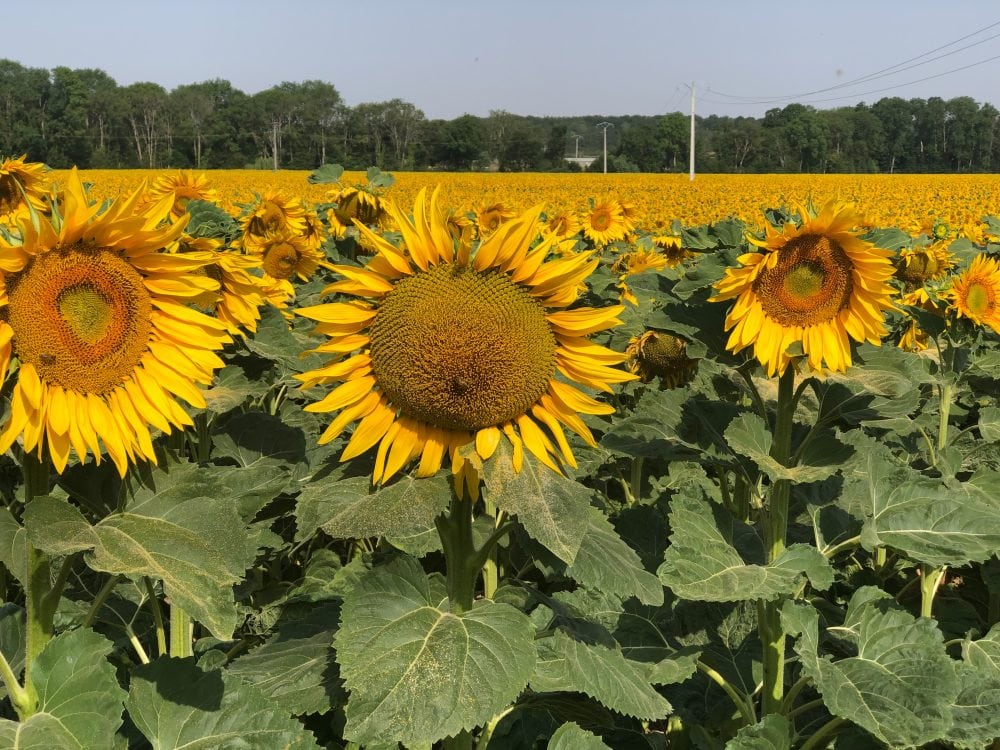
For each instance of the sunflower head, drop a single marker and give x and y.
(659, 354)
(817, 286)
(919, 265)
(271, 215)
(183, 186)
(913, 339)
(22, 184)
(632, 264)
(100, 320)
(604, 223)
(439, 351)
(563, 225)
(975, 293)
(672, 248)
(490, 216)
(285, 256)
(357, 203)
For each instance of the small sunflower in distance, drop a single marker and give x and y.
(660, 354)
(818, 285)
(443, 348)
(22, 184)
(102, 324)
(975, 293)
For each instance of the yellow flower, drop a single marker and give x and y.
(101, 322)
(656, 353)
(632, 264)
(284, 256)
(672, 249)
(563, 225)
(918, 265)
(22, 184)
(975, 293)
(604, 223)
(183, 186)
(913, 339)
(818, 285)
(443, 349)
(273, 214)
(490, 217)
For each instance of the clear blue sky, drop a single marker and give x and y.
(529, 57)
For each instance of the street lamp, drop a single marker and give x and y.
(576, 153)
(605, 126)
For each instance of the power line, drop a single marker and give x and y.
(891, 70)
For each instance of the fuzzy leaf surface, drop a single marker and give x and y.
(571, 736)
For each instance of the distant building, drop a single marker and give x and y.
(583, 162)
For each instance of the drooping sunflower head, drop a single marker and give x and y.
(818, 285)
(913, 339)
(604, 223)
(272, 214)
(975, 293)
(22, 184)
(563, 224)
(672, 248)
(100, 319)
(915, 266)
(441, 348)
(632, 264)
(184, 186)
(660, 354)
(357, 202)
(285, 256)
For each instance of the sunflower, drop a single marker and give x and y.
(284, 256)
(818, 285)
(444, 351)
(975, 293)
(656, 353)
(916, 266)
(563, 225)
(604, 223)
(101, 323)
(183, 185)
(672, 249)
(22, 184)
(632, 264)
(273, 214)
(490, 217)
(914, 339)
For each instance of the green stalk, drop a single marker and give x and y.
(491, 566)
(154, 605)
(823, 734)
(930, 580)
(635, 480)
(743, 705)
(462, 562)
(772, 637)
(38, 590)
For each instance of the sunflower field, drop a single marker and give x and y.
(498, 462)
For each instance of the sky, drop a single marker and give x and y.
(533, 57)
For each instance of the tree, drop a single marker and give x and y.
(145, 110)
(897, 120)
(461, 143)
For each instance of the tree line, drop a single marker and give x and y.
(82, 117)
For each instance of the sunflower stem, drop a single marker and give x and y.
(154, 605)
(772, 637)
(102, 596)
(635, 480)
(491, 565)
(461, 559)
(930, 580)
(39, 603)
(944, 412)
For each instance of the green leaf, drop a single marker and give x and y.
(326, 174)
(822, 456)
(295, 668)
(176, 704)
(773, 732)
(230, 388)
(901, 684)
(550, 507)
(195, 545)
(12, 636)
(79, 700)
(930, 521)
(418, 672)
(701, 565)
(209, 220)
(347, 509)
(607, 563)
(565, 664)
(571, 736)
(676, 668)
(12, 539)
(989, 423)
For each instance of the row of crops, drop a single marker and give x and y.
(343, 460)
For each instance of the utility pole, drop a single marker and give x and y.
(576, 153)
(605, 126)
(691, 156)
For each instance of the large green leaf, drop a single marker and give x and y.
(571, 736)
(12, 540)
(550, 507)
(195, 545)
(822, 456)
(176, 704)
(977, 707)
(418, 672)
(565, 664)
(12, 620)
(607, 563)
(79, 700)
(900, 685)
(295, 667)
(770, 733)
(701, 565)
(347, 509)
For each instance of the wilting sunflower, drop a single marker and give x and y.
(22, 184)
(672, 249)
(659, 354)
(184, 186)
(354, 203)
(444, 349)
(101, 323)
(490, 217)
(818, 285)
(914, 339)
(915, 266)
(975, 293)
(563, 225)
(604, 223)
